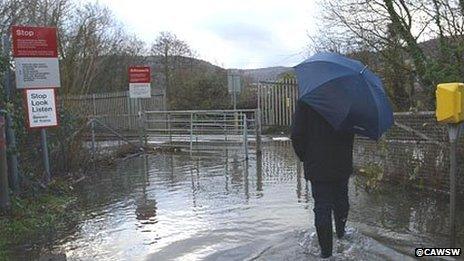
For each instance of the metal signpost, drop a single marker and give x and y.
(139, 82)
(234, 83)
(139, 88)
(454, 132)
(37, 73)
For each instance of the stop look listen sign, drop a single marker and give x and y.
(41, 108)
(37, 71)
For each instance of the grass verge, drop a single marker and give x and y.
(35, 217)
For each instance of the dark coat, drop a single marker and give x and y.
(327, 154)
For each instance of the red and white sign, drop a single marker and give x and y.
(139, 82)
(36, 57)
(41, 108)
(31, 41)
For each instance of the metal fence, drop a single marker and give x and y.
(277, 101)
(113, 119)
(203, 130)
(114, 109)
(208, 131)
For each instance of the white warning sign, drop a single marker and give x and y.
(41, 108)
(37, 73)
(139, 90)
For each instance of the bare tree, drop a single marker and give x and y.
(33, 12)
(94, 48)
(172, 51)
(395, 31)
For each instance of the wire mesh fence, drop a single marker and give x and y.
(415, 150)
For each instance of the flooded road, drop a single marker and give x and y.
(219, 207)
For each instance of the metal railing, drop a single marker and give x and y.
(115, 109)
(203, 130)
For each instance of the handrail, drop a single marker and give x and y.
(114, 132)
(201, 111)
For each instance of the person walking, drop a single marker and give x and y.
(327, 156)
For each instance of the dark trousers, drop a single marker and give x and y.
(328, 197)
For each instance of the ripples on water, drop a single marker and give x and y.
(219, 207)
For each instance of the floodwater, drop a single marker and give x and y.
(220, 207)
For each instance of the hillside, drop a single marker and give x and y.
(269, 73)
(253, 75)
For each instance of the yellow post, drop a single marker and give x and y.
(450, 110)
(450, 102)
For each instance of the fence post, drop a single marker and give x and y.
(144, 127)
(92, 125)
(259, 96)
(128, 101)
(94, 105)
(4, 192)
(46, 161)
(224, 119)
(139, 121)
(258, 130)
(245, 136)
(191, 132)
(169, 128)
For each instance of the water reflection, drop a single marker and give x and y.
(146, 207)
(259, 173)
(168, 207)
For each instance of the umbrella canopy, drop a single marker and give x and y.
(347, 94)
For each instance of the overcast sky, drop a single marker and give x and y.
(229, 33)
